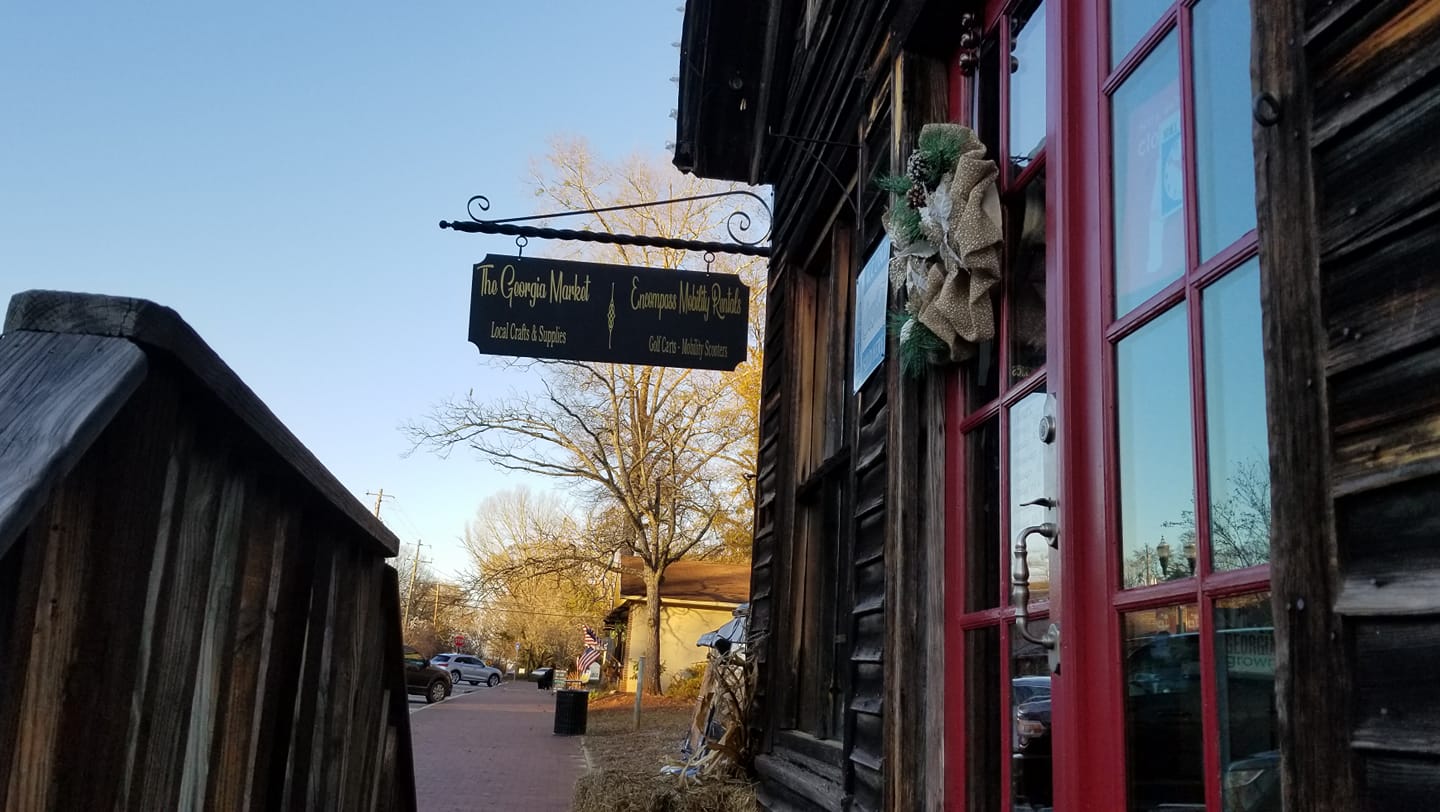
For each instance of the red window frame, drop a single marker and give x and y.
(966, 418)
(1088, 722)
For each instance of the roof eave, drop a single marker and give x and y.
(719, 115)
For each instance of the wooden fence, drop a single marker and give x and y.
(194, 613)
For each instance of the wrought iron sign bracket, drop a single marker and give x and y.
(804, 144)
(737, 224)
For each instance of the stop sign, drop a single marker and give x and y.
(459, 640)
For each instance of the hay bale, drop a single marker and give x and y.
(617, 791)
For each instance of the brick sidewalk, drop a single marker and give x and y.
(494, 749)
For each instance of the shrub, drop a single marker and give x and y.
(687, 683)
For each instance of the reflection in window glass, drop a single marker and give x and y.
(982, 723)
(1129, 20)
(1163, 738)
(1149, 174)
(1027, 87)
(982, 375)
(987, 95)
(1225, 162)
(1026, 320)
(1027, 483)
(983, 545)
(1157, 489)
(1239, 453)
(1245, 682)
(1031, 784)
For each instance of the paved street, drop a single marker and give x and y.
(417, 703)
(493, 748)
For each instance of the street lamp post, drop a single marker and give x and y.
(1162, 552)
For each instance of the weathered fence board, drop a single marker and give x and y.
(193, 612)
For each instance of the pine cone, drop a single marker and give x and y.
(918, 171)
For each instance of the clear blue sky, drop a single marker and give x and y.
(275, 173)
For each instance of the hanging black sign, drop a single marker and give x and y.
(585, 311)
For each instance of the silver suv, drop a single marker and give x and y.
(467, 667)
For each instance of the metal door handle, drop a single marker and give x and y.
(1020, 585)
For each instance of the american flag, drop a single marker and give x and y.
(593, 650)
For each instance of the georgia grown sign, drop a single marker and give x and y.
(585, 311)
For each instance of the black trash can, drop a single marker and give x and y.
(571, 708)
(544, 678)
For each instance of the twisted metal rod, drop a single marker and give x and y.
(738, 220)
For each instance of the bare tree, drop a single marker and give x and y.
(660, 455)
(1239, 525)
(536, 575)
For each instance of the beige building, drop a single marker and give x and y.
(695, 597)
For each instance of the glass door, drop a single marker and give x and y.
(1190, 508)
(999, 461)
(1130, 238)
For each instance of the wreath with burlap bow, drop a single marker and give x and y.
(944, 226)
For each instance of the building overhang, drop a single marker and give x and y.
(724, 88)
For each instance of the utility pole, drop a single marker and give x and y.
(435, 618)
(378, 498)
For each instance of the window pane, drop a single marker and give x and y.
(1031, 783)
(1224, 154)
(1245, 681)
(1026, 320)
(1027, 87)
(1027, 483)
(983, 545)
(1163, 739)
(1157, 487)
(982, 723)
(987, 95)
(1239, 451)
(982, 375)
(1149, 179)
(1129, 20)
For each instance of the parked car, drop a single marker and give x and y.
(423, 678)
(468, 667)
(1031, 768)
(1253, 784)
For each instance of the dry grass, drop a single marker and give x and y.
(626, 762)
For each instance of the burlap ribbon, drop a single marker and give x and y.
(961, 220)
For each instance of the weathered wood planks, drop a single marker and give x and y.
(1348, 207)
(186, 618)
(57, 392)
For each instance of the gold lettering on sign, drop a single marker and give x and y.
(571, 291)
(695, 299)
(529, 290)
(727, 303)
(652, 300)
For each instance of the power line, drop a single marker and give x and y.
(526, 610)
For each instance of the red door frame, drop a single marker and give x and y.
(1088, 722)
(1088, 735)
(1088, 712)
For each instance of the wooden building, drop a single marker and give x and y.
(1203, 389)
(695, 597)
(194, 613)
